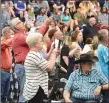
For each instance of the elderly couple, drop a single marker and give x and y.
(84, 84)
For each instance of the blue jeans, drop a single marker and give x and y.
(5, 84)
(20, 72)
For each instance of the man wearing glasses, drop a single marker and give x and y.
(20, 49)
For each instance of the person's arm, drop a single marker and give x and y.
(65, 58)
(48, 8)
(52, 60)
(104, 83)
(73, 52)
(68, 88)
(57, 7)
(66, 96)
(6, 44)
(44, 28)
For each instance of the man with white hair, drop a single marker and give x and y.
(90, 29)
(20, 50)
(103, 51)
(36, 70)
(6, 63)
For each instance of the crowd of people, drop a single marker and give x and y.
(37, 34)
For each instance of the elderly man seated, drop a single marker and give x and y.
(85, 84)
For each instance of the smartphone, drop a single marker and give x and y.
(57, 44)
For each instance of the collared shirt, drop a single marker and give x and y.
(103, 56)
(83, 86)
(20, 47)
(6, 55)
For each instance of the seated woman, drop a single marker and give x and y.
(20, 7)
(85, 6)
(71, 5)
(35, 6)
(66, 18)
(9, 6)
(29, 16)
(41, 17)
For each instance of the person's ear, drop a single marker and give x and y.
(16, 27)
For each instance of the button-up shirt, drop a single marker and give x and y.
(103, 56)
(20, 47)
(83, 86)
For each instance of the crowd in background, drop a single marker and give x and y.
(29, 29)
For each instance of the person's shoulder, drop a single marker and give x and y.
(75, 73)
(96, 71)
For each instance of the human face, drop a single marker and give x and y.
(87, 67)
(67, 11)
(58, 35)
(20, 26)
(93, 21)
(39, 43)
(80, 37)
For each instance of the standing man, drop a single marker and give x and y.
(6, 63)
(20, 49)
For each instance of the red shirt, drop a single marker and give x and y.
(20, 47)
(6, 56)
(43, 29)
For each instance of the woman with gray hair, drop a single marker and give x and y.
(36, 68)
(103, 51)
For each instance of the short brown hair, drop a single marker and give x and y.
(51, 33)
(74, 35)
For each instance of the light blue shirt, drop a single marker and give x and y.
(103, 56)
(83, 86)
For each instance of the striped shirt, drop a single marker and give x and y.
(36, 74)
(83, 86)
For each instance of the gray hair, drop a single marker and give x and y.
(91, 19)
(14, 22)
(102, 33)
(32, 39)
(5, 29)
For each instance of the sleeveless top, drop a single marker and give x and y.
(21, 5)
(65, 18)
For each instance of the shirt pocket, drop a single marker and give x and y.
(76, 85)
(93, 84)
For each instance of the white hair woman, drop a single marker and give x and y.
(36, 67)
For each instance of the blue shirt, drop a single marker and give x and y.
(83, 86)
(103, 56)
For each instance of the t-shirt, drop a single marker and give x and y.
(41, 19)
(64, 52)
(36, 74)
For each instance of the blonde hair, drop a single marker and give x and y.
(30, 12)
(67, 40)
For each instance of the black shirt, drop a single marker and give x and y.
(64, 52)
(89, 31)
